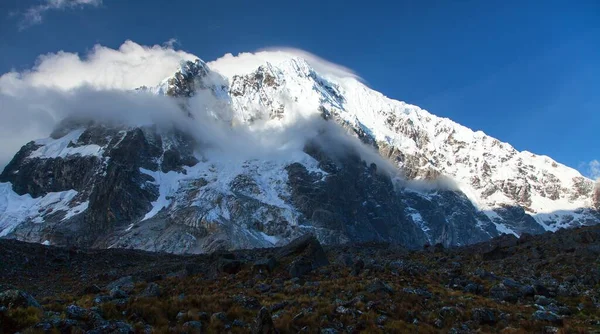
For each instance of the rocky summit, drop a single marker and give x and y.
(544, 283)
(267, 155)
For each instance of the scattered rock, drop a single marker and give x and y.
(229, 266)
(102, 299)
(483, 274)
(484, 316)
(448, 311)
(265, 264)
(300, 267)
(378, 285)
(246, 302)
(182, 273)
(92, 290)
(343, 310)
(527, 290)
(11, 297)
(263, 288)
(500, 292)
(117, 293)
(204, 316)
(418, 292)
(192, 326)
(125, 283)
(473, 288)
(510, 283)
(264, 323)
(279, 306)
(543, 300)
(558, 287)
(541, 290)
(77, 313)
(152, 290)
(114, 327)
(238, 323)
(495, 253)
(551, 330)
(357, 267)
(181, 315)
(329, 331)
(381, 320)
(219, 316)
(345, 260)
(309, 255)
(546, 316)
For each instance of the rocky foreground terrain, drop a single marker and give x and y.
(548, 283)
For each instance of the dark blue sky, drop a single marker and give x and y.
(526, 72)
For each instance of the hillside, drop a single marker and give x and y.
(546, 283)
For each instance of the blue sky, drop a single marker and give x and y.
(525, 72)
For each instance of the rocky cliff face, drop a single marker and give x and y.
(156, 188)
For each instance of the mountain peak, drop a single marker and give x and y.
(148, 188)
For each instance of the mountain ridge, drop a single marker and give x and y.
(199, 201)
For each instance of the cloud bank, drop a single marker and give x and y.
(35, 15)
(100, 84)
(128, 67)
(63, 83)
(94, 84)
(246, 62)
(593, 169)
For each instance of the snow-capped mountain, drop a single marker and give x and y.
(324, 164)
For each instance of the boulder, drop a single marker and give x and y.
(124, 283)
(543, 300)
(264, 323)
(246, 302)
(547, 316)
(540, 289)
(92, 290)
(357, 267)
(265, 265)
(484, 316)
(229, 266)
(500, 292)
(192, 327)
(473, 288)
(219, 316)
(152, 290)
(300, 267)
(11, 297)
(113, 327)
(77, 313)
(344, 260)
(378, 286)
(117, 293)
(511, 283)
(309, 255)
(527, 290)
(306, 245)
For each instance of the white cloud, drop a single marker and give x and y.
(35, 15)
(64, 83)
(246, 62)
(99, 86)
(321, 65)
(593, 169)
(129, 67)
